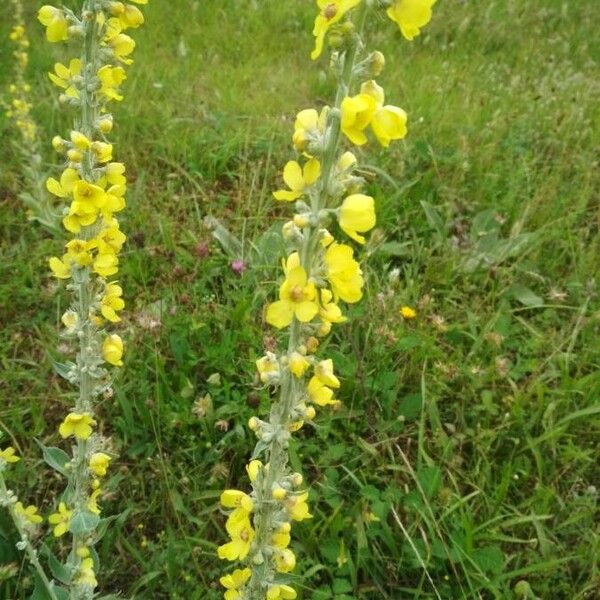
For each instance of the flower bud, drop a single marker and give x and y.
(278, 493)
(58, 144)
(74, 155)
(105, 124)
(310, 413)
(377, 63)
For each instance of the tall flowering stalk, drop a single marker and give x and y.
(319, 273)
(34, 195)
(93, 187)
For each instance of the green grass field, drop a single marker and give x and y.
(464, 461)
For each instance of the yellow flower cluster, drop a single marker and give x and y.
(20, 107)
(91, 188)
(27, 144)
(320, 275)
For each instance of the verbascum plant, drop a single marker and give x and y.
(93, 187)
(34, 195)
(320, 273)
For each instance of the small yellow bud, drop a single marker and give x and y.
(58, 143)
(253, 423)
(408, 313)
(297, 480)
(310, 413)
(74, 155)
(301, 221)
(312, 343)
(278, 493)
(377, 63)
(285, 528)
(105, 124)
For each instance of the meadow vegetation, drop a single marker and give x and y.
(463, 462)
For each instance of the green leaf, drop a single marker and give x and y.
(490, 559)
(524, 295)
(41, 593)
(394, 248)
(58, 570)
(56, 458)
(410, 406)
(83, 522)
(430, 479)
(434, 219)
(340, 586)
(62, 369)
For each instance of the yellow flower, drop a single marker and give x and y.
(285, 561)
(106, 264)
(112, 302)
(408, 313)
(357, 112)
(80, 141)
(85, 574)
(78, 425)
(8, 455)
(308, 127)
(59, 268)
(99, 463)
(298, 507)
(112, 350)
(64, 187)
(253, 468)
(110, 79)
(120, 43)
(63, 77)
(411, 15)
(281, 592)
(78, 251)
(298, 364)
(329, 311)
(296, 297)
(298, 179)
(29, 514)
(110, 239)
(102, 151)
(92, 503)
(87, 201)
(331, 12)
(113, 173)
(235, 499)
(324, 373)
(131, 17)
(343, 273)
(388, 122)
(319, 393)
(357, 214)
(268, 367)
(70, 319)
(55, 22)
(232, 582)
(281, 538)
(61, 520)
(240, 530)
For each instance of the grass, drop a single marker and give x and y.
(464, 461)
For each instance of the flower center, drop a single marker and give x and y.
(330, 11)
(296, 294)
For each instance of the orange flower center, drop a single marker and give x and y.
(296, 294)
(330, 11)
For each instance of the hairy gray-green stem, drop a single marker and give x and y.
(28, 546)
(83, 280)
(281, 413)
